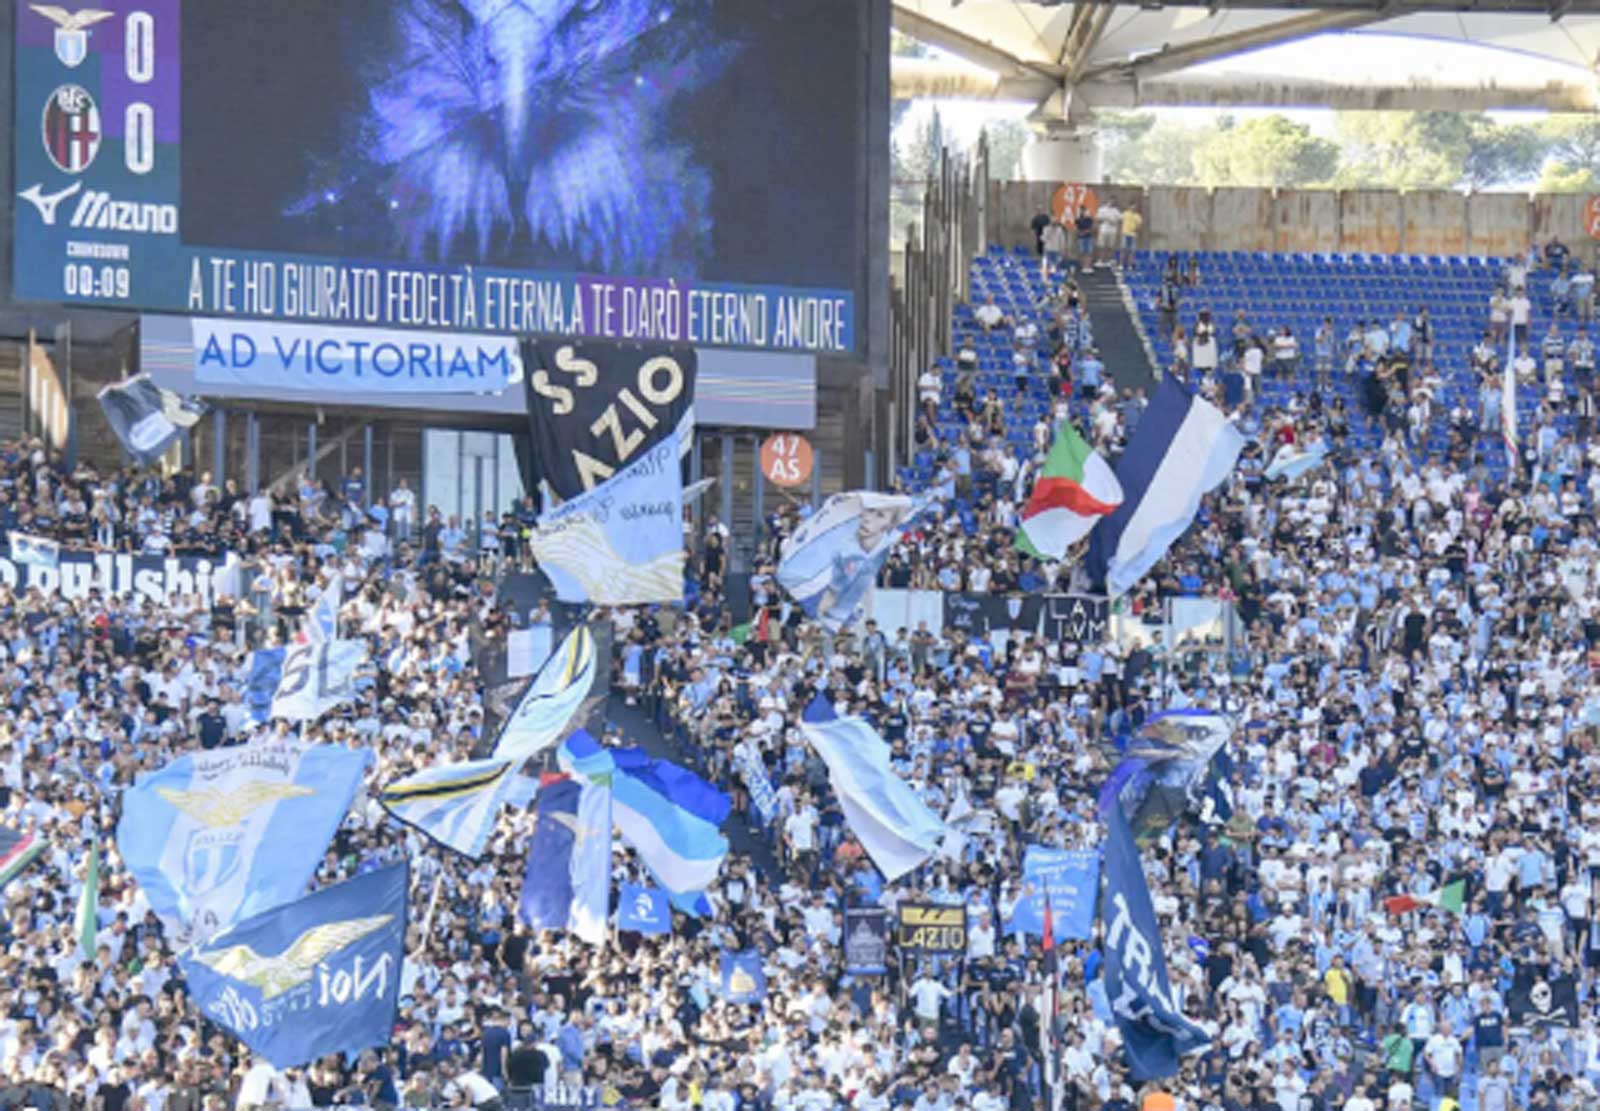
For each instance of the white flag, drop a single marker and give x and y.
(317, 677)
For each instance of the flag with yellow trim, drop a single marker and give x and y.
(455, 804)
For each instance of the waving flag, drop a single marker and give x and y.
(86, 922)
(622, 542)
(1183, 448)
(567, 885)
(1155, 1033)
(37, 551)
(896, 827)
(669, 815)
(17, 851)
(830, 563)
(455, 804)
(217, 836)
(1169, 764)
(743, 976)
(147, 418)
(1292, 462)
(1065, 880)
(266, 672)
(322, 623)
(317, 677)
(1075, 489)
(644, 910)
(320, 975)
(570, 684)
(1451, 897)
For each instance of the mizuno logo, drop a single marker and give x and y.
(34, 195)
(97, 211)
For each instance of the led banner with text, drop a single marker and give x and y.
(685, 173)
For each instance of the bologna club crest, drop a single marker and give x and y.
(71, 129)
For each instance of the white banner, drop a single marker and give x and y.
(317, 677)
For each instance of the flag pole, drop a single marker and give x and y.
(433, 901)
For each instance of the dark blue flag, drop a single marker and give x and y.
(1153, 1027)
(644, 910)
(744, 980)
(316, 976)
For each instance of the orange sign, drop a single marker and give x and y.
(1071, 197)
(1591, 216)
(786, 459)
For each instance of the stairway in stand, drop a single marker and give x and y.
(1116, 330)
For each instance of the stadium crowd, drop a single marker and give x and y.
(1413, 700)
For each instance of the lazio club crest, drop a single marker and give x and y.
(72, 30)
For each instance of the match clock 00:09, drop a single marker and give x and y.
(82, 279)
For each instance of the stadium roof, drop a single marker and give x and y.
(1067, 57)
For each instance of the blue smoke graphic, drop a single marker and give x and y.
(533, 130)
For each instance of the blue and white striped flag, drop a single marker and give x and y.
(896, 827)
(217, 836)
(668, 814)
(567, 885)
(574, 675)
(455, 804)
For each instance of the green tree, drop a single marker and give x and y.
(1266, 151)
(1158, 153)
(1574, 154)
(1500, 156)
(1006, 140)
(1399, 150)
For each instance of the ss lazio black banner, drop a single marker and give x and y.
(593, 408)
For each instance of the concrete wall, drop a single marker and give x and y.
(1372, 221)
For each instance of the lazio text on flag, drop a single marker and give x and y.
(622, 542)
(832, 560)
(1068, 881)
(575, 673)
(668, 814)
(1154, 1031)
(217, 836)
(567, 885)
(1183, 448)
(1075, 489)
(896, 827)
(317, 677)
(455, 804)
(318, 976)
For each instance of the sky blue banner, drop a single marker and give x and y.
(1071, 879)
(318, 976)
(644, 910)
(274, 356)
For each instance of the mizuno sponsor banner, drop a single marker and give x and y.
(270, 356)
(318, 976)
(217, 836)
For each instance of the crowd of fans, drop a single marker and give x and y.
(1413, 700)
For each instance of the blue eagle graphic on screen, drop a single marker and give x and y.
(500, 124)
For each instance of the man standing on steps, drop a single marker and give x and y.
(1109, 219)
(1132, 224)
(1084, 227)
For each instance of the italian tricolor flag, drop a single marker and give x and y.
(1075, 489)
(1450, 897)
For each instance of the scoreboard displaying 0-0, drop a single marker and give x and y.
(697, 174)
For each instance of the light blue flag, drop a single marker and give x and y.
(669, 815)
(322, 623)
(1291, 462)
(756, 780)
(36, 551)
(567, 885)
(573, 674)
(1070, 879)
(621, 543)
(318, 976)
(830, 562)
(215, 837)
(266, 671)
(896, 827)
(455, 804)
(644, 910)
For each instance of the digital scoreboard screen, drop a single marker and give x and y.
(680, 170)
